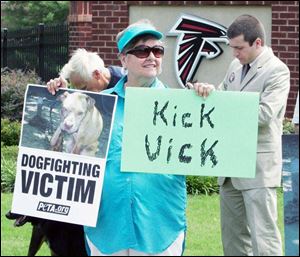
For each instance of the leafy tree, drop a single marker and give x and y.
(19, 14)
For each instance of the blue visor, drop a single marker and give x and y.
(135, 31)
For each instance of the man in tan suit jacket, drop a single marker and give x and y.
(249, 206)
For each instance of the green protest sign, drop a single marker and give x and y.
(174, 131)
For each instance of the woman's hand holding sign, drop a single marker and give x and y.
(54, 84)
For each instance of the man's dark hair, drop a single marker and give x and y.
(248, 26)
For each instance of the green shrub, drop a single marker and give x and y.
(201, 185)
(9, 156)
(13, 87)
(10, 132)
(288, 126)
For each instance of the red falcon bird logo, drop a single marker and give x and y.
(197, 38)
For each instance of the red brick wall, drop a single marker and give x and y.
(80, 25)
(109, 18)
(94, 25)
(285, 43)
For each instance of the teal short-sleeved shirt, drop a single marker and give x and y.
(140, 211)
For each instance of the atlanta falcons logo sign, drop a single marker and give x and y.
(197, 38)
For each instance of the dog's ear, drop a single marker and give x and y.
(63, 96)
(90, 102)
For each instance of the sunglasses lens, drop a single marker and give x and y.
(158, 51)
(144, 52)
(141, 53)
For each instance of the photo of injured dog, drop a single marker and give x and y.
(80, 127)
(72, 121)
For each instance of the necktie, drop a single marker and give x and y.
(246, 68)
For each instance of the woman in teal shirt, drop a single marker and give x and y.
(140, 213)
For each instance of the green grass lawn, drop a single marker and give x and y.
(203, 235)
(15, 240)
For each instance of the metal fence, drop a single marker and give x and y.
(42, 48)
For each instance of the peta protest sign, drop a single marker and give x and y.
(62, 154)
(174, 131)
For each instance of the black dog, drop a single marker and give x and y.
(63, 239)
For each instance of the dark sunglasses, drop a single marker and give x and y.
(144, 51)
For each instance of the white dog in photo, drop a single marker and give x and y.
(80, 127)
